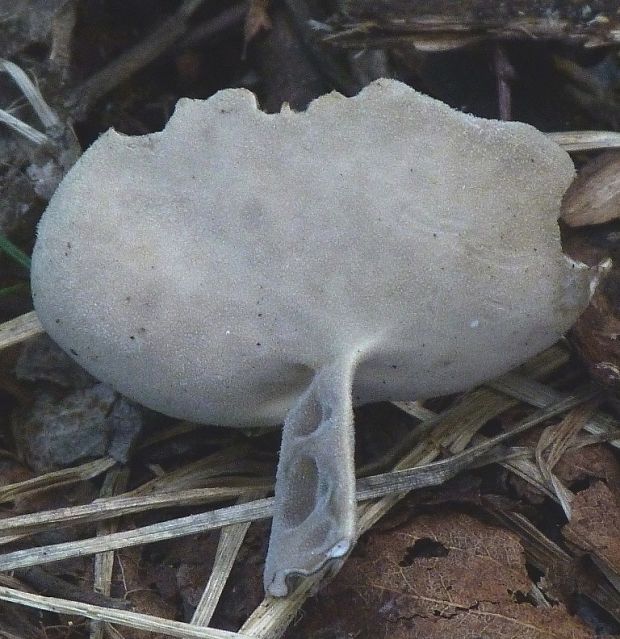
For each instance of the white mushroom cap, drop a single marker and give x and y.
(239, 267)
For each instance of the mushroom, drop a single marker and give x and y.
(241, 268)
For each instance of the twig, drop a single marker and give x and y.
(63, 25)
(229, 18)
(504, 74)
(132, 60)
(446, 30)
(42, 581)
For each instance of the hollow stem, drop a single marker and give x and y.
(314, 518)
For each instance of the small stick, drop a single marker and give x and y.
(133, 60)
(43, 581)
(504, 73)
(63, 25)
(206, 30)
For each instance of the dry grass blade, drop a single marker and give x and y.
(541, 551)
(554, 442)
(273, 616)
(415, 409)
(177, 430)
(228, 461)
(239, 514)
(530, 472)
(122, 617)
(434, 473)
(611, 575)
(110, 507)
(532, 392)
(456, 427)
(524, 468)
(439, 472)
(55, 479)
(422, 455)
(190, 525)
(19, 329)
(399, 482)
(525, 389)
(586, 140)
(115, 482)
(228, 548)
(48, 118)
(25, 130)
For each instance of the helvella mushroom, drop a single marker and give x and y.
(241, 268)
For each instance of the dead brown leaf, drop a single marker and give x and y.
(589, 462)
(139, 578)
(594, 196)
(595, 524)
(441, 575)
(595, 334)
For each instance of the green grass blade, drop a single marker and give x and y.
(12, 251)
(16, 288)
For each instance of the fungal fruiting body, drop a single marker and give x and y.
(240, 268)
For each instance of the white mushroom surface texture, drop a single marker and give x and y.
(241, 268)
